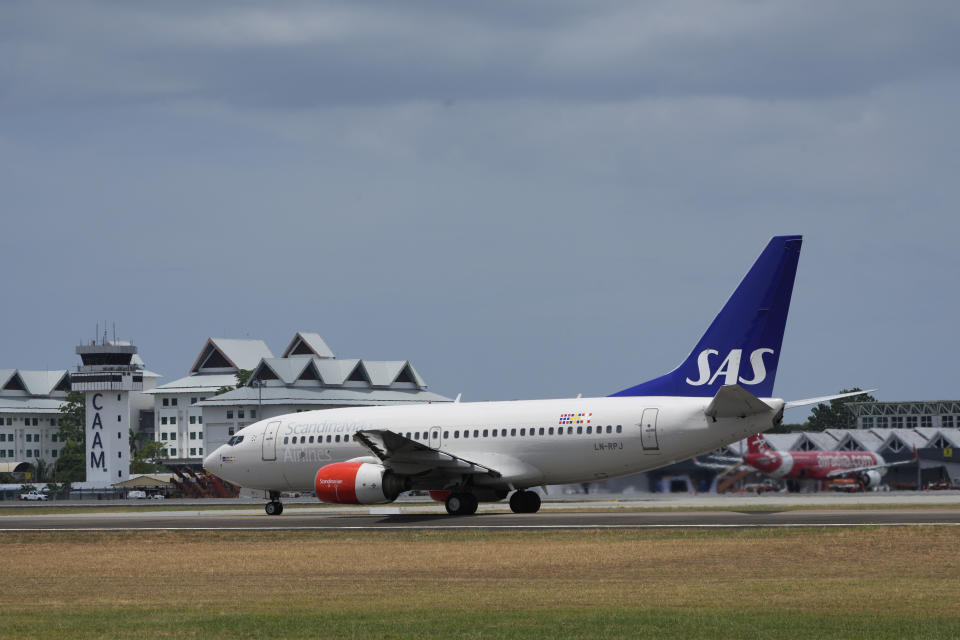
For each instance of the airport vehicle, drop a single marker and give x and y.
(844, 470)
(464, 453)
(34, 495)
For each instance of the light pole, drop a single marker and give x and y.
(259, 384)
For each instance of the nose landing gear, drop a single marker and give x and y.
(274, 507)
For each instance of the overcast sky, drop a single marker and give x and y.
(524, 199)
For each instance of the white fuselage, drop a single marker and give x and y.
(529, 443)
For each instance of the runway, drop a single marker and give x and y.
(318, 520)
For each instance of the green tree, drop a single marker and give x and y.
(834, 415)
(146, 456)
(43, 472)
(243, 377)
(71, 464)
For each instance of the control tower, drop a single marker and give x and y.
(109, 376)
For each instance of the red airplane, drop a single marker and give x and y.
(864, 467)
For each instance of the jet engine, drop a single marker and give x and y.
(358, 483)
(870, 479)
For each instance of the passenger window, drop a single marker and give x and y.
(579, 430)
(513, 432)
(523, 432)
(303, 439)
(609, 429)
(541, 430)
(329, 438)
(551, 431)
(589, 430)
(466, 433)
(485, 433)
(619, 428)
(475, 433)
(456, 434)
(494, 433)
(446, 434)
(285, 439)
(311, 440)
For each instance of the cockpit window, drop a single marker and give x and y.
(235, 440)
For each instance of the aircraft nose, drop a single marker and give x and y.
(212, 462)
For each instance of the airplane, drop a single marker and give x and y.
(864, 467)
(467, 452)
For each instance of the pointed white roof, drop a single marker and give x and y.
(286, 369)
(950, 436)
(305, 344)
(230, 353)
(782, 441)
(41, 383)
(908, 437)
(864, 439)
(35, 383)
(383, 372)
(336, 372)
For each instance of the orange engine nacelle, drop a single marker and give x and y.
(357, 483)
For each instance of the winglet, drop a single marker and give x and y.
(733, 401)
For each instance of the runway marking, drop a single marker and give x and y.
(789, 525)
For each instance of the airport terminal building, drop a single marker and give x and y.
(200, 411)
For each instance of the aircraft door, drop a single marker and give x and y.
(648, 430)
(435, 438)
(270, 441)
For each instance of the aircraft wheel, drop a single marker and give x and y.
(273, 508)
(461, 504)
(454, 503)
(525, 502)
(532, 500)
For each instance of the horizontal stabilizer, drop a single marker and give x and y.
(809, 401)
(733, 401)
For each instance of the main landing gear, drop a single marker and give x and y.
(274, 507)
(461, 504)
(525, 502)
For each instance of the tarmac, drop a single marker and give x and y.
(620, 511)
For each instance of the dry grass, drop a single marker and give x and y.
(897, 571)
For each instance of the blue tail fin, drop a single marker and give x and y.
(742, 346)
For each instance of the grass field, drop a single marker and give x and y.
(810, 583)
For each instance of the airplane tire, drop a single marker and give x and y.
(454, 504)
(532, 500)
(518, 501)
(461, 504)
(273, 508)
(525, 502)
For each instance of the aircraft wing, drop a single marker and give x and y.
(808, 401)
(411, 457)
(733, 401)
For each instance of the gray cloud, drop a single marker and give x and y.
(527, 200)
